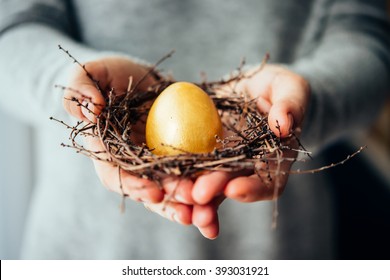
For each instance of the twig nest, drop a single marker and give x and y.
(183, 119)
(184, 130)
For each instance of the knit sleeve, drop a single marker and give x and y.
(31, 63)
(49, 12)
(348, 71)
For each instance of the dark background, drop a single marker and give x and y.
(363, 206)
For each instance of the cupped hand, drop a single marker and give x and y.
(284, 96)
(105, 74)
(172, 198)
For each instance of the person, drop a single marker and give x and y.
(328, 74)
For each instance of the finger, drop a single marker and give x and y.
(280, 120)
(82, 88)
(179, 189)
(204, 215)
(210, 185)
(205, 218)
(289, 98)
(173, 211)
(210, 231)
(90, 111)
(248, 189)
(254, 188)
(140, 189)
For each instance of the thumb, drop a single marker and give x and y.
(289, 99)
(281, 119)
(82, 99)
(90, 111)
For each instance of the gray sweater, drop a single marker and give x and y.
(340, 47)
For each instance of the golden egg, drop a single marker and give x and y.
(182, 119)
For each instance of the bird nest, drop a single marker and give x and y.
(251, 145)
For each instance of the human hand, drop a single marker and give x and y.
(283, 95)
(172, 199)
(111, 72)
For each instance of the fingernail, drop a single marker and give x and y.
(290, 122)
(87, 109)
(176, 218)
(180, 198)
